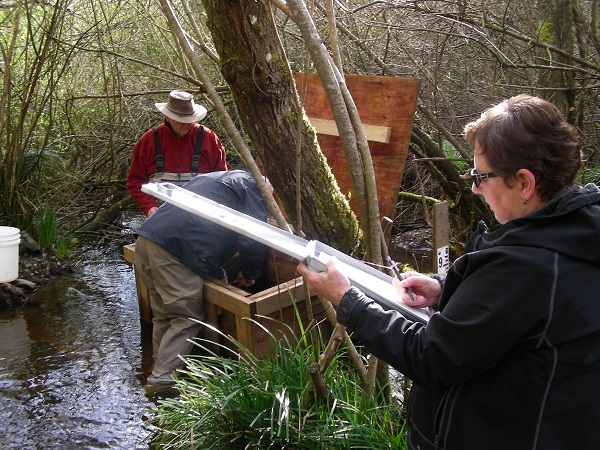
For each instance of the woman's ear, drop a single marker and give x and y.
(526, 183)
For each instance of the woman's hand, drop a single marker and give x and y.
(426, 290)
(330, 284)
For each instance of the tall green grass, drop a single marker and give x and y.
(244, 402)
(49, 237)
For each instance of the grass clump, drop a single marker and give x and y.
(249, 403)
(49, 237)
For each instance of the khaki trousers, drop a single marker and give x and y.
(175, 298)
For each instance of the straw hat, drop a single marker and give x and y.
(181, 108)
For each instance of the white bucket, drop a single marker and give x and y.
(10, 238)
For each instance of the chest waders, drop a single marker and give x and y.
(176, 178)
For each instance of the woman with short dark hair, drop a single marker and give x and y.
(511, 358)
(529, 132)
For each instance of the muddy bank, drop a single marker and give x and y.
(36, 269)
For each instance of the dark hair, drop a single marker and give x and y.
(526, 132)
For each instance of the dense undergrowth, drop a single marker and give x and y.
(245, 402)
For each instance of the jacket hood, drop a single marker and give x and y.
(568, 224)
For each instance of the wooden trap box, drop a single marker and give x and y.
(238, 313)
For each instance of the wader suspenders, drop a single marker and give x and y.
(195, 156)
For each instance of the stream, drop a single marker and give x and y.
(74, 359)
(73, 362)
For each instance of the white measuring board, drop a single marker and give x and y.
(375, 284)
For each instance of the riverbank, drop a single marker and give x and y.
(37, 268)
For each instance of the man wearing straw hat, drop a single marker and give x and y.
(175, 151)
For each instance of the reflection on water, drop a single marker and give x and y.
(71, 362)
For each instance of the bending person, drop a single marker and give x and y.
(176, 250)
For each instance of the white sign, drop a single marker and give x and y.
(443, 260)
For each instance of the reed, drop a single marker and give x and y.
(50, 238)
(243, 402)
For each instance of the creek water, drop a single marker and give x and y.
(73, 362)
(74, 359)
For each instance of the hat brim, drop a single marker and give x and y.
(199, 113)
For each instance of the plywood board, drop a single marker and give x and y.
(382, 102)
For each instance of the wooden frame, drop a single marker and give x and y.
(242, 315)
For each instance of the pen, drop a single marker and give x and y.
(399, 275)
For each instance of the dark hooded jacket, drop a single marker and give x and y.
(512, 358)
(204, 246)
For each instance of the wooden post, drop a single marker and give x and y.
(441, 231)
(142, 291)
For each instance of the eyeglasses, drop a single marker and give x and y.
(476, 177)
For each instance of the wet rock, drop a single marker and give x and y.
(28, 245)
(25, 285)
(11, 296)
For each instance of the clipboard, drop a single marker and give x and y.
(375, 284)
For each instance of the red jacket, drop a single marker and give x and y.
(177, 158)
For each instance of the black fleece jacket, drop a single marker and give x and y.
(512, 358)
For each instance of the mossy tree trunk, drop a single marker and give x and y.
(256, 68)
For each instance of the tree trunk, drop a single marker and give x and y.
(256, 68)
(557, 29)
